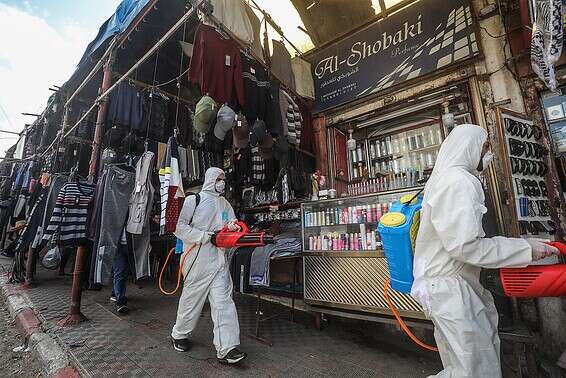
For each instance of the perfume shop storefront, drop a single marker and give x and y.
(386, 97)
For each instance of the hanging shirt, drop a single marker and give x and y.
(216, 66)
(293, 118)
(256, 88)
(70, 213)
(171, 189)
(302, 73)
(281, 64)
(232, 14)
(126, 106)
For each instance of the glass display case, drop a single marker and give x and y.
(347, 224)
(394, 161)
(343, 262)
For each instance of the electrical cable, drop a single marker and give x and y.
(401, 322)
(491, 35)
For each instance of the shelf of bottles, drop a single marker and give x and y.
(358, 161)
(346, 224)
(397, 161)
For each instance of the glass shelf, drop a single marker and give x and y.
(347, 224)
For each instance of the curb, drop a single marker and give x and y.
(54, 360)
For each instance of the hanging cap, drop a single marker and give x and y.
(204, 114)
(224, 122)
(241, 132)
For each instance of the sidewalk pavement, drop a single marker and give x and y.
(138, 344)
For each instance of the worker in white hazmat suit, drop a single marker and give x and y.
(450, 250)
(205, 270)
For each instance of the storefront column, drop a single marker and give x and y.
(320, 146)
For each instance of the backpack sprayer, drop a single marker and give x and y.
(398, 229)
(533, 281)
(223, 239)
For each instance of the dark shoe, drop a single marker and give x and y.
(233, 357)
(122, 309)
(181, 345)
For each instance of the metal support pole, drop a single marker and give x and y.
(75, 316)
(100, 119)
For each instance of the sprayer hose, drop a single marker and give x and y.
(179, 274)
(401, 322)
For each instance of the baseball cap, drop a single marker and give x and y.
(241, 132)
(205, 112)
(224, 122)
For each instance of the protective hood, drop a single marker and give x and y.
(462, 148)
(210, 180)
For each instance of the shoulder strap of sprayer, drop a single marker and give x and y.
(415, 196)
(197, 201)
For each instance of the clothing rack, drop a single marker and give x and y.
(148, 86)
(249, 51)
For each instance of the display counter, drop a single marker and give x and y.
(344, 264)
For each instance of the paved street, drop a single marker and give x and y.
(137, 345)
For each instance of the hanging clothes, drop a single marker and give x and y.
(158, 125)
(171, 189)
(70, 214)
(216, 66)
(256, 88)
(232, 14)
(258, 167)
(56, 183)
(293, 118)
(141, 203)
(33, 222)
(281, 64)
(547, 40)
(118, 188)
(126, 106)
(256, 26)
(302, 73)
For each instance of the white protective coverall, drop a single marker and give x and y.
(449, 252)
(209, 276)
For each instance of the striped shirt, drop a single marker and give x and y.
(70, 214)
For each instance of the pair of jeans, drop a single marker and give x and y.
(117, 190)
(121, 272)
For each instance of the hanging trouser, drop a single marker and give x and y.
(94, 225)
(141, 203)
(204, 281)
(117, 191)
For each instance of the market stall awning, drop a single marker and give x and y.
(125, 14)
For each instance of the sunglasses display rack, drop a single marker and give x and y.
(528, 168)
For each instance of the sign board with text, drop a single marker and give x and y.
(426, 36)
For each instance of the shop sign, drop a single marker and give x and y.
(425, 36)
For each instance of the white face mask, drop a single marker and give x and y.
(485, 161)
(220, 186)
